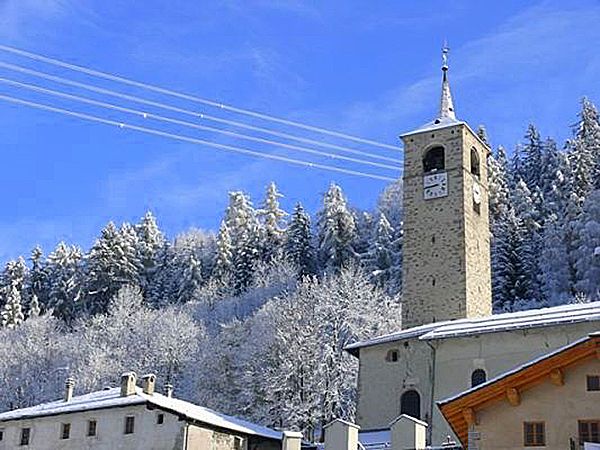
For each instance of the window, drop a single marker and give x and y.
(477, 377)
(534, 434)
(238, 443)
(1, 435)
(593, 382)
(160, 419)
(92, 426)
(475, 163)
(410, 404)
(25, 435)
(434, 160)
(392, 356)
(65, 430)
(129, 424)
(589, 431)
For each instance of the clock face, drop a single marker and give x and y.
(435, 185)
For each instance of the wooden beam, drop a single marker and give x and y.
(557, 377)
(513, 396)
(469, 416)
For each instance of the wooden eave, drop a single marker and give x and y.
(461, 411)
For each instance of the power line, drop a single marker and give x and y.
(119, 79)
(147, 115)
(188, 139)
(195, 114)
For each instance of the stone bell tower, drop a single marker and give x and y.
(446, 267)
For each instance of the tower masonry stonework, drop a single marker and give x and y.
(446, 267)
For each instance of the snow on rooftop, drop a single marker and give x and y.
(375, 439)
(440, 122)
(533, 318)
(110, 398)
(518, 368)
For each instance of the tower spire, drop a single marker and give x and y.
(446, 105)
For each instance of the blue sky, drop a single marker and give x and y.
(362, 67)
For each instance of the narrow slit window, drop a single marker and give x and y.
(129, 424)
(160, 419)
(475, 168)
(92, 427)
(65, 431)
(25, 436)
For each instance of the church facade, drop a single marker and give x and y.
(450, 340)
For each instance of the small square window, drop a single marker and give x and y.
(392, 356)
(129, 424)
(65, 430)
(25, 436)
(593, 382)
(92, 427)
(160, 419)
(534, 434)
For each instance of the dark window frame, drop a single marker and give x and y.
(25, 436)
(410, 403)
(434, 159)
(478, 376)
(160, 418)
(92, 428)
(129, 425)
(2, 434)
(534, 434)
(591, 432)
(593, 383)
(65, 431)
(475, 163)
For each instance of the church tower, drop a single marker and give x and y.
(446, 267)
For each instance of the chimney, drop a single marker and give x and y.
(148, 383)
(169, 390)
(341, 435)
(291, 440)
(69, 384)
(408, 432)
(128, 380)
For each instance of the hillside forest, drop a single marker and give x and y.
(252, 320)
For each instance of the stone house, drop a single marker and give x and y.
(552, 402)
(130, 417)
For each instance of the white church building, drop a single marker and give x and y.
(450, 340)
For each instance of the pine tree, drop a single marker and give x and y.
(242, 223)
(336, 230)
(37, 280)
(298, 244)
(587, 250)
(382, 260)
(584, 150)
(34, 307)
(533, 154)
(150, 247)
(64, 281)
(272, 218)
(554, 263)
(224, 256)
(12, 313)
(113, 262)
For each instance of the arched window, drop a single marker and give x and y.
(392, 356)
(434, 160)
(410, 404)
(475, 170)
(477, 377)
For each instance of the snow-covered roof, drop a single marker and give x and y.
(111, 398)
(533, 318)
(375, 439)
(518, 368)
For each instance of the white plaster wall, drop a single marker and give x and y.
(560, 407)
(381, 383)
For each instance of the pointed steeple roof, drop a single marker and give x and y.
(446, 105)
(446, 115)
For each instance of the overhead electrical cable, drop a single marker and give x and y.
(193, 98)
(147, 115)
(241, 150)
(195, 114)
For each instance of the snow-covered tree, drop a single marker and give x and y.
(554, 263)
(383, 260)
(12, 314)
(298, 243)
(584, 150)
(224, 255)
(150, 247)
(336, 230)
(587, 248)
(112, 263)
(271, 217)
(533, 155)
(64, 281)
